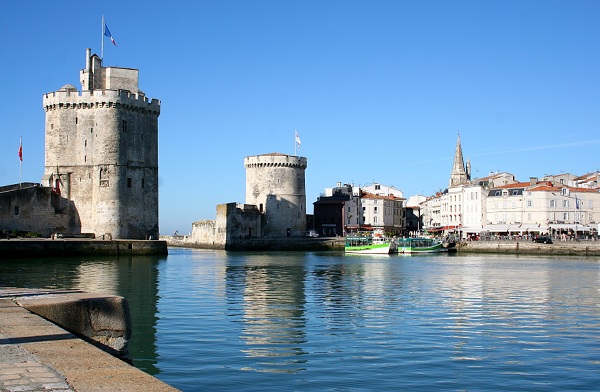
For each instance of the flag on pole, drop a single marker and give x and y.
(21, 149)
(108, 34)
(298, 142)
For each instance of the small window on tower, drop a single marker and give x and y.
(16, 210)
(129, 182)
(142, 182)
(76, 120)
(124, 125)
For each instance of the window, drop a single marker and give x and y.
(377, 187)
(552, 203)
(375, 210)
(129, 182)
(374, 219)
(566, 216)
(565, 203)
(124, 125)
(16, 210)
(529, 203)
(143, 182)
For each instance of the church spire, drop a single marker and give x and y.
(459, 174)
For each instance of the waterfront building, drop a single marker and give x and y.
(338, 211)
(383, 212)
(536, 207)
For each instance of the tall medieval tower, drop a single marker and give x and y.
(102, 152)
(460, 173)
(275, 183)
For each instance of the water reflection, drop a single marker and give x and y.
(271, 297)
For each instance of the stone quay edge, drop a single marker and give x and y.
(37, 354)
(558, 248)
(30, 248)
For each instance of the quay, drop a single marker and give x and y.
(558, 248)
(37, 354)
(262, 244)
(46, 247)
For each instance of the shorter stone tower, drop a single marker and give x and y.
(275, 183)
(102, 152)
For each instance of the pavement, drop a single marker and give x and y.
(37, 355)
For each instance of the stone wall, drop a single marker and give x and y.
(37, 209)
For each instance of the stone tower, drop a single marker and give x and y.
(275, 184)
(102, 151)
(460, 174)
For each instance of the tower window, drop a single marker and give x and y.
(76, 120)
(16, 210)
(128, 182)
(91, 130)
(124, 125)
(142, 182)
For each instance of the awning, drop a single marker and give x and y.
(568, 227)
(515, 228)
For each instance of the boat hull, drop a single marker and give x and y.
(377, 249)
(419, 245)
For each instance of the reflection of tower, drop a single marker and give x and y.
(272, 297)
(102, 151)
(460, 174)
(275, 184)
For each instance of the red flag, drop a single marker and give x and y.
(21, 151)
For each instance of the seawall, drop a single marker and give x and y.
(263, 244)
(572, 248)
(25, 248)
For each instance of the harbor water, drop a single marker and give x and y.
(222, 321)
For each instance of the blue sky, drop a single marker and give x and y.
(378, 90)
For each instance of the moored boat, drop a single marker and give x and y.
(418, 245)
(367, 245)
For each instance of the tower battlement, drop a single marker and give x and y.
(275, 160)
(69, 98)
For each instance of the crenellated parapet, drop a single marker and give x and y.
(275, 160)
(67, 98)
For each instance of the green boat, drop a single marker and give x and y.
(419, 245)
(367, 245)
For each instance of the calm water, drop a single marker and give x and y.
(213, 320)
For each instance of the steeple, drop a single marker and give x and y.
(459, 174)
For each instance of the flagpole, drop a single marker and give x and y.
(20, 161)
(295, 141)
(102, 44)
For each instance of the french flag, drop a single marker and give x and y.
(108, 34)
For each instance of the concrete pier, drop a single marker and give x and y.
(36, 354)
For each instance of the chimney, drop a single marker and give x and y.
(533, 181)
